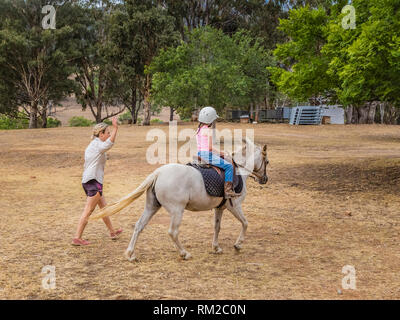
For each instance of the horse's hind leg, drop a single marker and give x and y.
(152, 206)
(217, 227)
(238, 213)
(176, 218)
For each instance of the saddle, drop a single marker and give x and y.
(214, 178)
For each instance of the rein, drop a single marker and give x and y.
(254, 174)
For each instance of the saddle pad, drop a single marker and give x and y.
(214, 183)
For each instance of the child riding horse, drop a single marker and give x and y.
(207, 117)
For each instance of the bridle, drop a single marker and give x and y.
(255, 173)
(264, 163)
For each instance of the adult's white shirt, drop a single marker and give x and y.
(95, 160)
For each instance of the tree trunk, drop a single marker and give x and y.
(363, 113)
(146, 102)
(147, 114)
(382, 111)
(133, 107)
(33, 121)
(390, 114)
(182, 31)
(171, 113)
(349, 114)
(139, 103)
(44, 118)
(133, 116)
(371, 112)
(214, 135)
(356, 116)
(98, 113)
(257, 112)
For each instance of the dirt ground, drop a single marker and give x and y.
(332, 200)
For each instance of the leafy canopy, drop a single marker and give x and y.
(211, 68)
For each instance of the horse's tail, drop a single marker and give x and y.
(128, 199)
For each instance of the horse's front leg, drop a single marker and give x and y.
(217, 227)
(238, 213)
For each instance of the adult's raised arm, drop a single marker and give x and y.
(115, 129)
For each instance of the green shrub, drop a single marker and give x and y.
(53, 122)
(80, 122)
(125, 116)
(8, 123)
(155, 121)
(139, 121)
(108, 121)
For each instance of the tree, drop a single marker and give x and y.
(357, 68)
(211, 68)
(254, 62)
(226, 15)
(263, 22)
(137, 30)
(95, 74)
(34, 67)
(140, 31)
(366, 59)
(304, 73)
(122, 54)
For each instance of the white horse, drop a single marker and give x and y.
(177, 187)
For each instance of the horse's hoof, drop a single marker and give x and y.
(130, 256)
(187, 256)
(238, 247)
(133, 259)
(218, 250)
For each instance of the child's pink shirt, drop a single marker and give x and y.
(202, 139)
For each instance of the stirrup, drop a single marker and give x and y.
(232, 194)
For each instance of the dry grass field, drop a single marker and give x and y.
(333, 199)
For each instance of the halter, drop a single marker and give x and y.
(254, 174)
(263, 164)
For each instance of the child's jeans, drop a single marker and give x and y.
(218, 162)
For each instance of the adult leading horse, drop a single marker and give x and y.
(177, 187)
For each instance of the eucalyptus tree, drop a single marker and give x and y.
(34, 65)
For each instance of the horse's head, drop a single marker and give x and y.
(256, 160)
